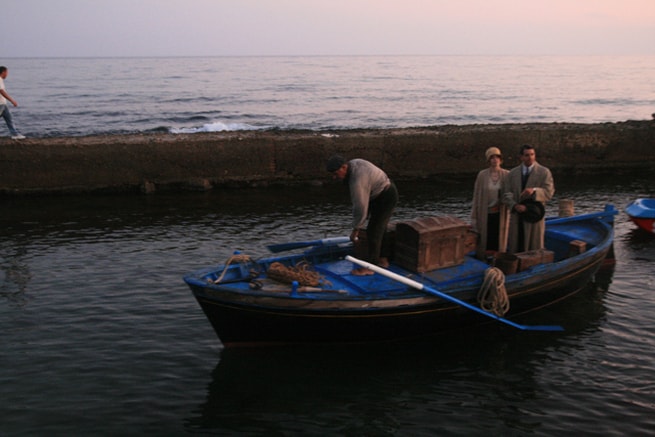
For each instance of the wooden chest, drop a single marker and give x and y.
(430, 243)
(534, 257)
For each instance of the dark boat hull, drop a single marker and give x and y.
(243, 318)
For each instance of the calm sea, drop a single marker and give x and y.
(125, 95)
(100, 336)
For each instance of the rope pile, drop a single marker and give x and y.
(300, 273)
(242, 259)
(492, 296)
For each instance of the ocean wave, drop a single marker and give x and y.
(217, 126)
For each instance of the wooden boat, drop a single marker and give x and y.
(246, 306)
(642, 213)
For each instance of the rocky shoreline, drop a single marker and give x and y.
(148, 163)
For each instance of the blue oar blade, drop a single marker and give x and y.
(551, 328)
(275, 248)
(493, 316)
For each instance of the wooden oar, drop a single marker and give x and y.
(275, 248)
(445, 296)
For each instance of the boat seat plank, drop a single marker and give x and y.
(339, 274)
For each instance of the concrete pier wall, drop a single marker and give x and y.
(152, 162)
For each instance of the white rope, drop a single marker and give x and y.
(492, 296)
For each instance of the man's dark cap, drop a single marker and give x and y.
(335, 163)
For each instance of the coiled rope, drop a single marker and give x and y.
(492, 296)
(301, 273)
(239, 258)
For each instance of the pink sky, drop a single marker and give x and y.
(326, 27)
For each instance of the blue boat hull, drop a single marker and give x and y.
(374, 308)
(642, 213)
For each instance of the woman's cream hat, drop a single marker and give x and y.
(492, 151)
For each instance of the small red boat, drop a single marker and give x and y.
(642, 213)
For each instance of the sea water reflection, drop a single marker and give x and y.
(101, 335)
(426, 387)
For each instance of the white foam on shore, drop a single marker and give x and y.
(215, 127)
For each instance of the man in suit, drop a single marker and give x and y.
(527, 182)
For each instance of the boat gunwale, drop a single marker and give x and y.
(519, 284)
(642, 208)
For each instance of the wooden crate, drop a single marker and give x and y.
(576, 247)
(508, 263)
(534, 257)
(430, 243)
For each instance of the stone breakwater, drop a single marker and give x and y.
(149, 163)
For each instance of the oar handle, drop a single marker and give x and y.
(385, 272)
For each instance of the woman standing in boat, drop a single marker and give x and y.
(489, 216)
(374, 196)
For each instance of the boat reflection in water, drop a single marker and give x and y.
(339, 386)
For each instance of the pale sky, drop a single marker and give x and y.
(82, 28)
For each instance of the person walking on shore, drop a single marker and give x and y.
(526, 189)
(4, 109)
(374, 196)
